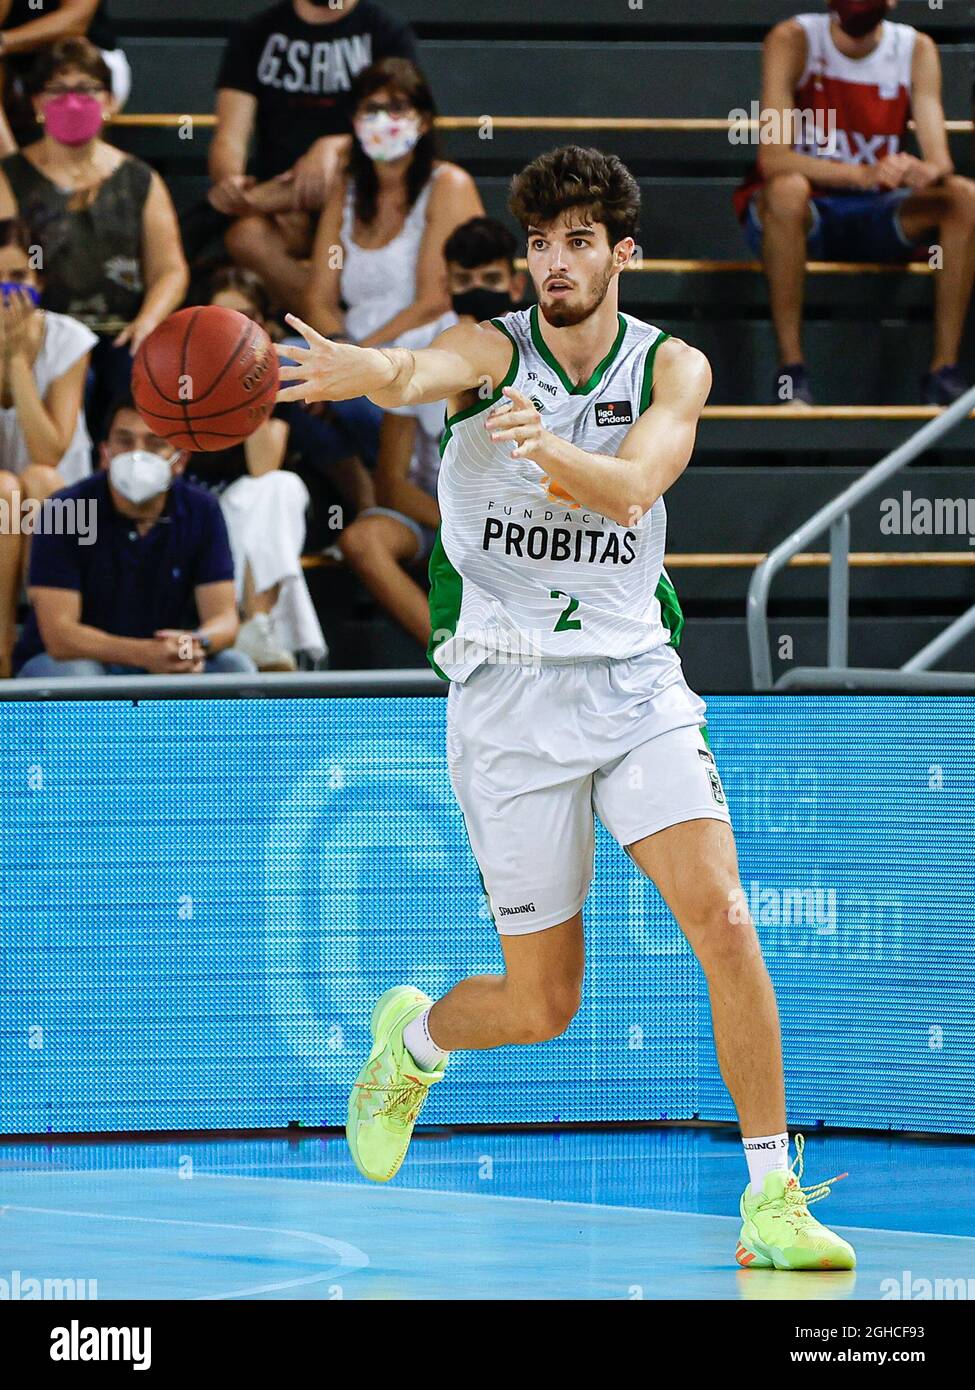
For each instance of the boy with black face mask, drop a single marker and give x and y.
(400, 531)
(841, 187)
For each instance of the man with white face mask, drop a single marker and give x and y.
(148, 586)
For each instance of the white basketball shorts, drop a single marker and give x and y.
(533, 751)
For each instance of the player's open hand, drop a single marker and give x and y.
(329, 371)
(520, 423)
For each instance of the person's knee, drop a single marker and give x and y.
(248, 239)
(547, 1015)
(960, 196)
(362, 543)
(786, 198)
(230, 662)
(9, 486)
(40, 480)
(719, 925)
(44, 667)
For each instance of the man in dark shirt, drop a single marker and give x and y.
(143, 582)
(286, 82)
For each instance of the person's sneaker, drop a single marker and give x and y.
(943, 387)
(791, 385)
(257, 640)
(390, 1089)
(778, 1230)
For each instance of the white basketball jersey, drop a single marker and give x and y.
(521, 572)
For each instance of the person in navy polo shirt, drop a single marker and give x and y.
(147, 585)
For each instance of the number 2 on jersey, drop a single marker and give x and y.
(566, 622)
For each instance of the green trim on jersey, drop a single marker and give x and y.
(446, 585)
(646, 395)
(446, 596)
(473, 410)
(542, 348)
(671, 613)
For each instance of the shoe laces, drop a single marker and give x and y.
(403, 1100)
(796, 1197)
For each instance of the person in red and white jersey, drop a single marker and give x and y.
(839, 184)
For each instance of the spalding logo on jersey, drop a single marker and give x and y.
(614, 413)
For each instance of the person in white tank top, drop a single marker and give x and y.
(567, 424)
(846, 190)
(379, 246)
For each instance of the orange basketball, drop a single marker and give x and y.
(206, 379)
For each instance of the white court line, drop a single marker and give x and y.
(504, 1197)
(350, 1256)
(553, 1202)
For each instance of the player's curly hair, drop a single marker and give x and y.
(572, 178)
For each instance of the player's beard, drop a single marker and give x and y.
(565, 315)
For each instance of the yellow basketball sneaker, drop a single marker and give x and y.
(390, 1089)
(778, 1231)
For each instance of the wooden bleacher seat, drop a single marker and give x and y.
(731, 560)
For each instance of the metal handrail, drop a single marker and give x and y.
(835, 518)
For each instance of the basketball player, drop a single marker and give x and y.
(567, 423)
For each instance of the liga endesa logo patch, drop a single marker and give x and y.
(614, 413)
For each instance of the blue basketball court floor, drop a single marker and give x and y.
(593, 1214)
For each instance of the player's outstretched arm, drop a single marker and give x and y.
(465, 358)
(652, 456)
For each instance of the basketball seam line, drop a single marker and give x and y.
(213, 415)
(245, 338)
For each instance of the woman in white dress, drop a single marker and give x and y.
(378, 267)
(44, 442)
(379, 247)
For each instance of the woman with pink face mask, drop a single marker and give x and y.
(104, 221)
(394, 211)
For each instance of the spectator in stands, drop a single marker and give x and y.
(384, 541)
(264, 506)
(146, 584)
(379, 249)
(44, 444)
(858, 196)
(26, 28)
(395, 207)
(105, 223)
(286, 80)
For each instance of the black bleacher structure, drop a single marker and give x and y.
(867, 336)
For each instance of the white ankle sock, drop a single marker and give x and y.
(766, 1155)
(420, 1045)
